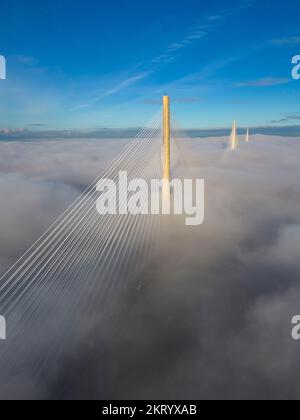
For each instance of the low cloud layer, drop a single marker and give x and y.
(211, 316)
(39, 180)
(21, 134)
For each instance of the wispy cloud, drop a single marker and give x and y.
(200, 30)
(279, 121)
(26, 60)
(289, 117)
(266, 82)
(120, 86)
(293, 40)
(126, 83)
(37, 125)
(166, 57)
(206, 72)
(214, 18)
(195, 34)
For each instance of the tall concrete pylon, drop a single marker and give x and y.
(234, 137)
(247, 136)
(166, 175)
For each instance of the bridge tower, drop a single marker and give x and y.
(247, 135)
(234, 137)
(166, 175)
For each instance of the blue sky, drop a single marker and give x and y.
(92, 64)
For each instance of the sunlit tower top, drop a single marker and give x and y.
(234, 137)
(247, 136)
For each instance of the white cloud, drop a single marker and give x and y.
(294, 40)
(266, 82)
(235, 280)
(112, 91)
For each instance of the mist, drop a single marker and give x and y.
(208, 313)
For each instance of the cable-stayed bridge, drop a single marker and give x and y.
(85, 262)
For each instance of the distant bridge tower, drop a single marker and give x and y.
(247, 136)
(166, 175)
(234, 137)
